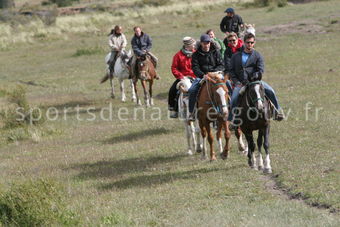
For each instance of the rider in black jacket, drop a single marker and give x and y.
(206, 59)
(231, 22)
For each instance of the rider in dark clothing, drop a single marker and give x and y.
(231, 22)
(206, 59)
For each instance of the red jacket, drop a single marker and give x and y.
(181, 66)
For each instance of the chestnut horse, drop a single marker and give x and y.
(255, 113)
(213, 106)
(146, 73)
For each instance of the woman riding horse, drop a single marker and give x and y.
(180, 68)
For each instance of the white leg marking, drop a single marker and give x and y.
(260, 162)
(220, 145)
(267, 167)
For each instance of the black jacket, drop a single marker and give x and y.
(204, 62)
(253, 67)
(227, 57)
(230, 24)
(141, 44)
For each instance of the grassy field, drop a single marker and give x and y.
(136, 172)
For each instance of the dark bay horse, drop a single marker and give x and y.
(145, 73)
(255, 113)
(213, 106)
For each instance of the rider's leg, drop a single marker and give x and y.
(133, 66)
(193, 92)
(270, 93)
(154, 60)
(234, 102)
(172, 99)
(112, 60)
(230, 88)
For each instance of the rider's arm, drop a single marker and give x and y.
(260, 66)
(232, 72)
(196, 67)
(222, 26)
(124, 43)
(219, 62)
(148, 43)
(174, 67)
(112, 44)
(135, 47)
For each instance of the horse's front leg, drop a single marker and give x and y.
(133, 90)
(150, 92)
(219, 136)
(211, 142)
(251, 148)
(146, 95)
(267, 166)
(136, 92)
(112, 87)
(241, 146)
(190, 136)
(204, 138)
(197, 135)
(122, 90)
(227, 135)
(259, 147)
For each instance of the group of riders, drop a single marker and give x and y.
(236, 58)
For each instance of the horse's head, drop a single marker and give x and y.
(250, 28)
(144, 65)
(218, 92)
(125, 57)
(255, 95)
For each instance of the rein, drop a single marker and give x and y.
(253, 101)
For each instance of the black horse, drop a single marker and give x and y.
(255, 113)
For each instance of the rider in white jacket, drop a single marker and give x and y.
(117, 43)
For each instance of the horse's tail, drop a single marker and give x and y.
(105, 78)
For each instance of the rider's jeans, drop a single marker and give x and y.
(193, 92)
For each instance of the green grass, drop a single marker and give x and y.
(136, 172)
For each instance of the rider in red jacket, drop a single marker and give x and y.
(181, 67)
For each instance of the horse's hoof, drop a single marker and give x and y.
(123, 100)
(190, 152)
(113, 96)
(198, 150)
(224, 156)
(134, 99)
(260, 168)
(267, 170)
(212, 159)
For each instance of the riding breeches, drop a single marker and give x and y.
(173, 97)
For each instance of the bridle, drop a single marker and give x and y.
(213, 83)
(249, 98)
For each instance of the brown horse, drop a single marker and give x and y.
(255, 113)
(146, 73)
(212, 106)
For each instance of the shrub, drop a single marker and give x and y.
(266, 3)
(20, 113)
(35, 203)
(88, 51)
(60, 3)
(155, 2)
